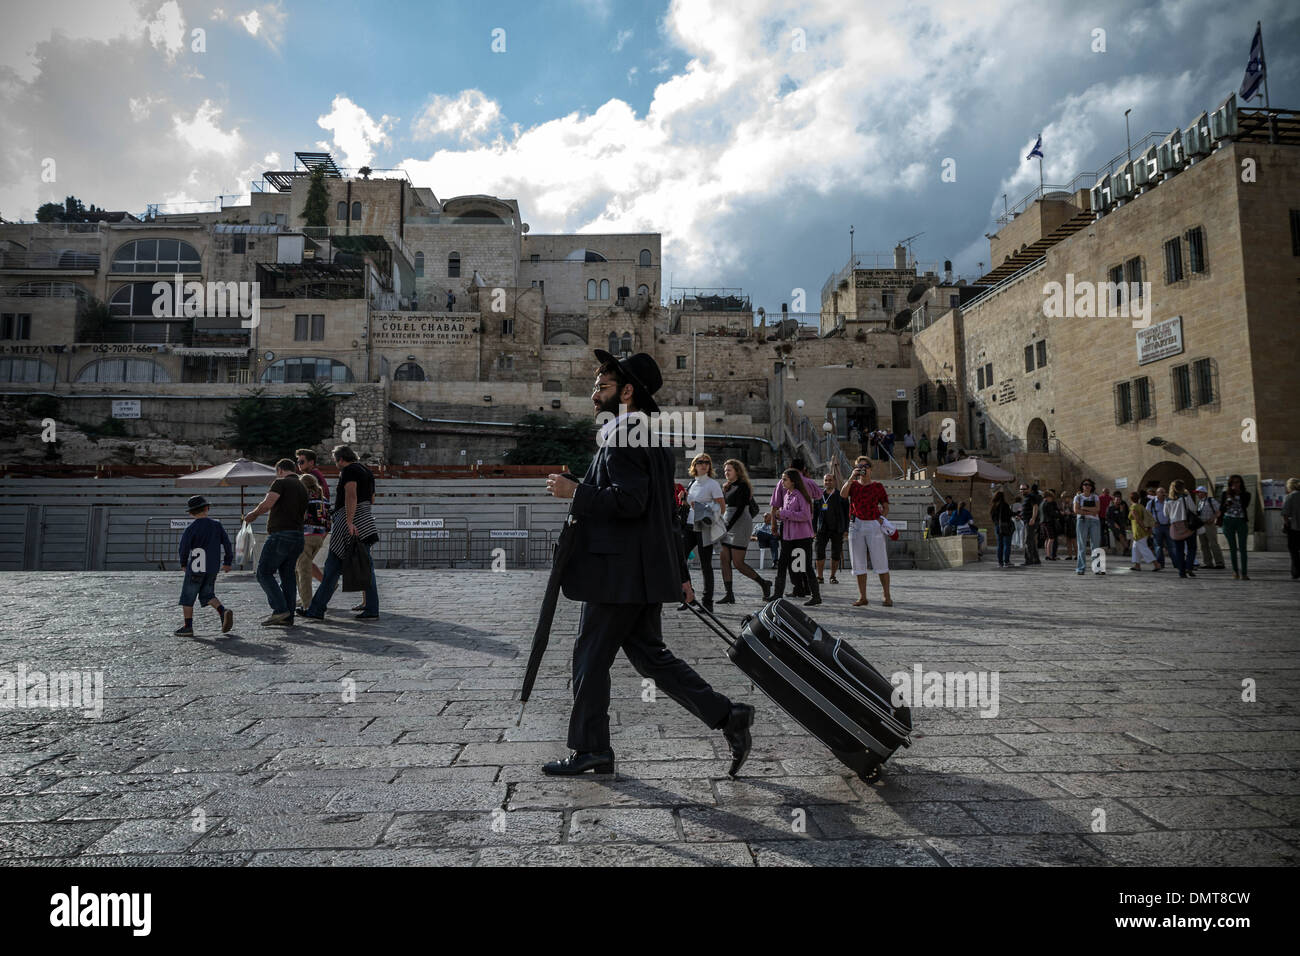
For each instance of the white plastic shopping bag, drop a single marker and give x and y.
(245, 541)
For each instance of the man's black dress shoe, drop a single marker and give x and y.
(577, 763)
(737, 733)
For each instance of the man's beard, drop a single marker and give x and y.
(610, 405)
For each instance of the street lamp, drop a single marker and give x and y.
(1175, 449)
(827, 428)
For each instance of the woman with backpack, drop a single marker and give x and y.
(738, 495)
(1001, 519)
(315, 526)
(795, 512)
(1234, 518)
(1183, 524)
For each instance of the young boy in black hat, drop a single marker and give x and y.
(202, 545)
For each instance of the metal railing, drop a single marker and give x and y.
(63, 259)
(1013, 278)
(825, 445)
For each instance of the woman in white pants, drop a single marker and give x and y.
(868, 503)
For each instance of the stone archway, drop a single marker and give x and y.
(851, 406)
(1165, 472)
(1036, 436)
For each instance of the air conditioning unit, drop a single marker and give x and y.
(1223, 121)
(1101, 195)
(1196, 138)
(1146, 169)
(1122, 184)
(1170, 155)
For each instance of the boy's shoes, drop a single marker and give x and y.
(278, 620)
(227, 620)
(186, 631)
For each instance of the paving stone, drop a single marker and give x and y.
(1193, 813)
(1203, 848)
(907, 819)
(794, 791)
(379, 856)
(151, 860)
(842, 853)
(397, 755)
(566, 793)
(1017, 851)
(959, 787)
(439, 829)
(150, 836)
(39, 808)
(620, 854)
(28, 840)
(297, 831)
(1056, 816)
(748, 823)
(404, 797)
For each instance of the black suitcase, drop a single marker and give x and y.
(821, 682)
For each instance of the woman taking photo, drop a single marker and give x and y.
(1087, 511)
(1234, 516)
(795, 513)
(1003, 526)
(739, 522)
(704, 498)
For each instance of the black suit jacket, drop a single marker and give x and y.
(835, 519)
(627, 551)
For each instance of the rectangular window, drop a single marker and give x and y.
(1029, 358)
(681, 361)
(508, 363)
(979, 378)
(1123, 403)
(988, 374)
(534, 285)
(1181, 387)
(923, 399)
(535, 258)
(1042, 352)
(541, 286)
(507, 326)
(318, 328)
(1173, 261)
(1133, 273)
(301, 328)
(953, 301)
(238, 244)
(1196, 249)
(1117, 296)
(1142, 390)
(1203, 380)
(887, 301)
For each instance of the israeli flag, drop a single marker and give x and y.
(1255, 68)
(1038, 148)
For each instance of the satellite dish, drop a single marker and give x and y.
(914, 294)
(903, 319)
(525, 227)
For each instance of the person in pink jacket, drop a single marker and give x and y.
(814, 495)
(795, 512)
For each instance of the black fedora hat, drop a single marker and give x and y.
(196, 503)
(642, 373)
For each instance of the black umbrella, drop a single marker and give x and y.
(542, 635)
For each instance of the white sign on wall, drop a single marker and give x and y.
(1160, 341)
(1121, 483)
(900, 393)
(180, 523)
(430, 534)
(126, 408)
(509, 534)
(418, 523)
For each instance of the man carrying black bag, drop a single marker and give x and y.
(351, 536)
(626, 564)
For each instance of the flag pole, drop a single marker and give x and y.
(1262, 61)
(1040, 177)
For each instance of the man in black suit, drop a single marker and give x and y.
(626, 564)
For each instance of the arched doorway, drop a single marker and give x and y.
(1166, 472)
(1036, 438)
(849, 407)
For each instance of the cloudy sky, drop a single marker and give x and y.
(751, 135)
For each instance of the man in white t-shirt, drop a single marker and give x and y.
(1208, 509)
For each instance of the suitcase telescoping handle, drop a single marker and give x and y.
(713, 624)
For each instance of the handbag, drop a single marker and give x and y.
(356, 568)
(1194, 520)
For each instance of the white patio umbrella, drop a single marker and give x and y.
(973, 468)
(240, 472)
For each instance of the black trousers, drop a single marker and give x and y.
(788, 551)
(636, 628)
(1031, 544)
(1292, 545)
(695, 540)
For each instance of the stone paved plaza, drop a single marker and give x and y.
(1120, 694)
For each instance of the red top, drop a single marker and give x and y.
(865, 500)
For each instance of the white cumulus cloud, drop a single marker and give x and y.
(354, 132)
(470, 117)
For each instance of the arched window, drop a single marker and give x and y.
(342, 213)
(123, 370)
(613, 343)
(156, 256)
(643, 289)
(604, 288)
(25, 370)
(356, 212)
(591, 288)
(409, 372)
(419, 263)
(49, 290)
(453, 266)
(627, 343)
(136, 299)
(307, 369)
(645, 257)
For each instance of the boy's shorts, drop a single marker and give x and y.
(201, 585)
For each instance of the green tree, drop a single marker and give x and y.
(93, 321)
(267, 429)
(316, 209)
(554, 440)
